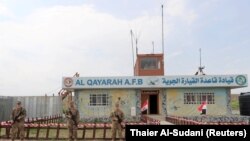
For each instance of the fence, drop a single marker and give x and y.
(29, 121)
(203, 121)
(41, 129)
(36, 106)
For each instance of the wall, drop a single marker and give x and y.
(129, 98)
(175, 102)
(171, 102)
(39, 106)
(5, 108)
(36, 106)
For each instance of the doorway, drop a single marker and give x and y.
(153, 104)
(151, 98)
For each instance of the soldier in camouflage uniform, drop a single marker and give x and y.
(118, 101)
(117, 116)
(73, 117)
(18, 116)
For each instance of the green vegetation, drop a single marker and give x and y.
(235, 104)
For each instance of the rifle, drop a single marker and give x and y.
(16, 118)
(73, 117)
(119, 119)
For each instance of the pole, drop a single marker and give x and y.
(200, 57)
(131, 32)
(153, 47)
(162, 41)
(136, 43)
(162, 33)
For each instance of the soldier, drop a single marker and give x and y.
(117, 117)
(118, 101)
(18, 116)
(73, 117)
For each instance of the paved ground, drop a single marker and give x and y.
(236, 112)
(161, 118)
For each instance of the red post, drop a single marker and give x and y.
(47, 119)
(94, 130)
(50, 119)
(8, 131)
(57, 131)
(28, 131)
(44, 120)
(47, 134)
(38, 131)
(104, 132)
(83, 131)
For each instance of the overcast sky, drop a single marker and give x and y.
(43, 40)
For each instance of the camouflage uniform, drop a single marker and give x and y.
(115, 123)
(118, 102)
(18, 116)
(73, 119)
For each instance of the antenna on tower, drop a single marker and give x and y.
(162, 32)
(162, 39)
(136, 43)
(153, 45)
(200, 57)
(134, 37)
(200, 68)
(132, 43)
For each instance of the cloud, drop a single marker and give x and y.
(174, 54)
(52, 42)
(179, 8)
(61, 40)
(4, 11)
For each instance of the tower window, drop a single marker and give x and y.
(150, 63)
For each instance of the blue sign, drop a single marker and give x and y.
(233, 81)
